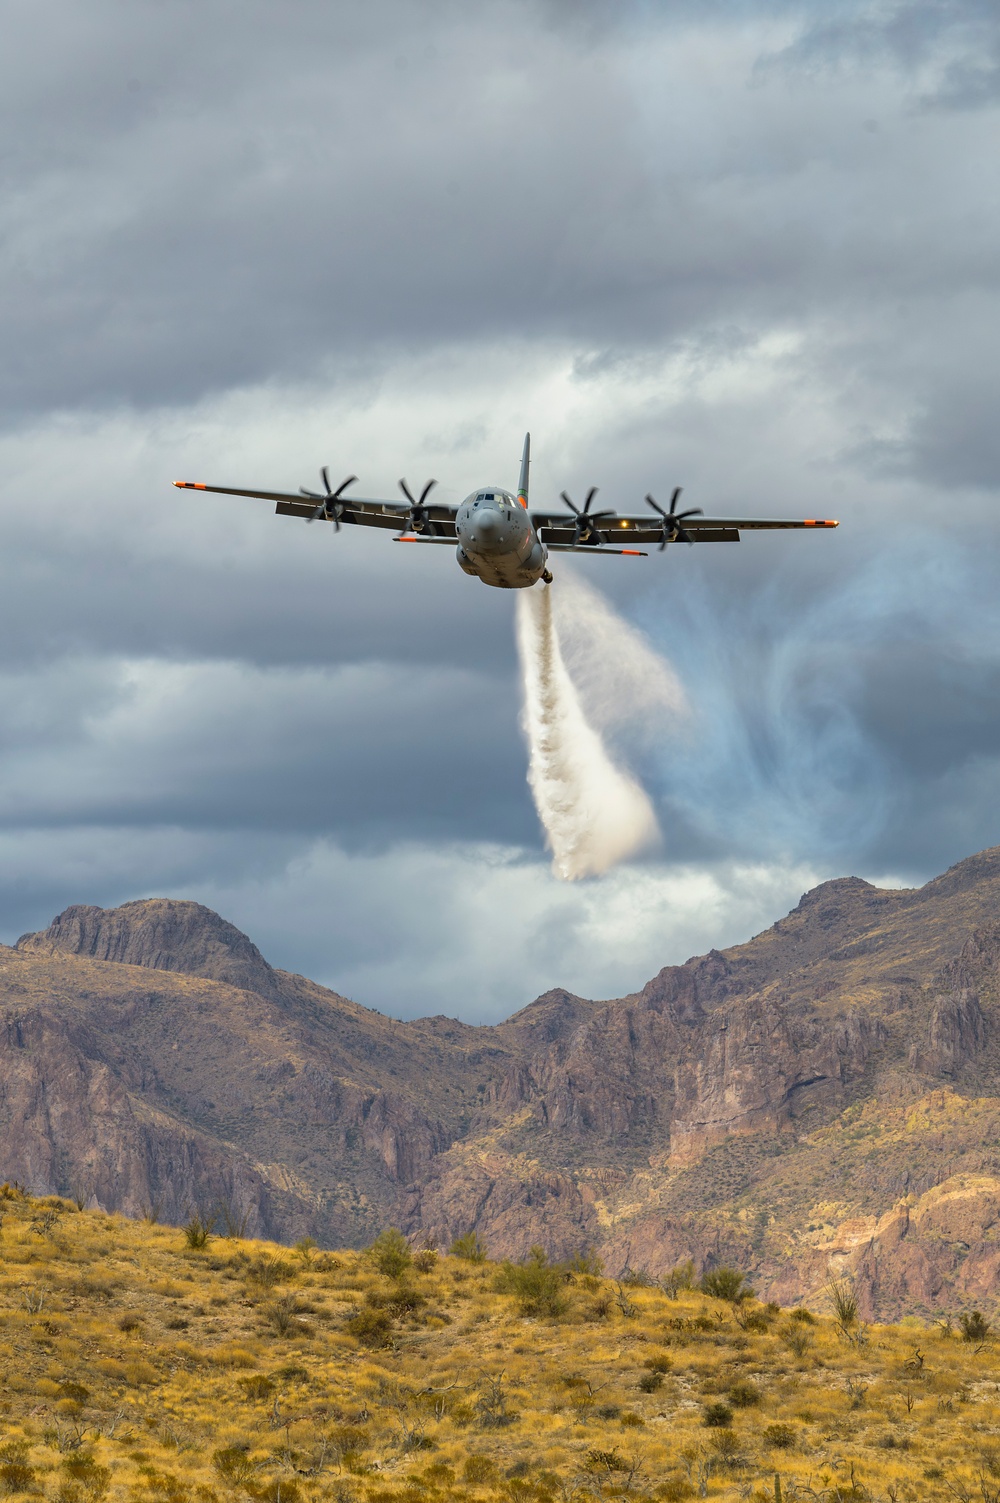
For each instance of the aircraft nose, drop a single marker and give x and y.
(486, 524)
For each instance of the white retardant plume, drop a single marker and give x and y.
(625, 686)
(593, 813)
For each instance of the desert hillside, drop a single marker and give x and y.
(825, 1097)
(139, 1368)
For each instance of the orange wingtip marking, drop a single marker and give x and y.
(636, 552)
(190, 485)
(404, 540)
(812, 522)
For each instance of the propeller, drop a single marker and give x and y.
(585, 518)
(674, 530)
(329, 508)
(418, 518)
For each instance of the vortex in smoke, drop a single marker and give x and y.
(593, 813)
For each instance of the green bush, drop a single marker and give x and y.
(469, 1247)
(537, 1284)
(650, 1382)
(717, 1415)
(975, 1326)
(373, 1328)
(198, 1230)
(390, 1252)
(744, 1395)
(781, 1436)
(726, 1283)
(479, 1469)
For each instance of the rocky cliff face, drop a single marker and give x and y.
(824, 1097)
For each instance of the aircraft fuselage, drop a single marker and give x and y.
(497, 541)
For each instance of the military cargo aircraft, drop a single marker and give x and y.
(501, 538)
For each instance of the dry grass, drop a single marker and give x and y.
(136, 1368)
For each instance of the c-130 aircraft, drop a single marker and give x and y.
(501, 539)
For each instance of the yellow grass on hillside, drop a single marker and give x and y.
(136, 1367)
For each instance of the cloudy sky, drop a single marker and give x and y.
(751, 248)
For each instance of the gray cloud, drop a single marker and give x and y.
(744, 247)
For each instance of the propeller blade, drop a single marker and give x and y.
(427, 490)
(590, 496)
(342, 486)
(675, 497)
(407, 492)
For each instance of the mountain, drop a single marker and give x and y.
(823, 1097)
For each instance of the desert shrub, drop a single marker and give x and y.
(800, 1313)
(631, 1421)
(75, 1392)
(608, 1411)
(479, 1469)
(16, 1473)
(469, 1247)
(797, 1339)
(267, 1270)
(83, 1469)
(257, 1386)
(372, 1327)
(234, 1466)
(425, 1261)
(659, 1362)
(975, 1326)
(130, 1322)
(492, 1411)
(283, 1315)
(725, 1283)
(755, 1321)
(404, 1300)
(305, 1248)
(844, 1302)
(780, 1436)
(605, 1461)
(717, 1415)
(390, 1252)
(679, 1279)
(638, 1278)
(198, 1230)
(536, 1283)
(744, 1395)
(587, 1263)
(650, 1382)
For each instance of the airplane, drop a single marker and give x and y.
(501, 539)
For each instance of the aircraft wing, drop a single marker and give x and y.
(358, 511)
(557, 528)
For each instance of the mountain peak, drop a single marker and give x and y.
(162, 933)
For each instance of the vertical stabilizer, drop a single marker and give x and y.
(522, 487)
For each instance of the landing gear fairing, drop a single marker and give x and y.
(501, 539)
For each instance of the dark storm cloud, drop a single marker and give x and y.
(197, 197)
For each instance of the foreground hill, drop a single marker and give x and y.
(826, 1096)
(140, 1369)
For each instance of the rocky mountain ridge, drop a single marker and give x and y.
(826, 1095)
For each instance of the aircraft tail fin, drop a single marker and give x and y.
(522, 487)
